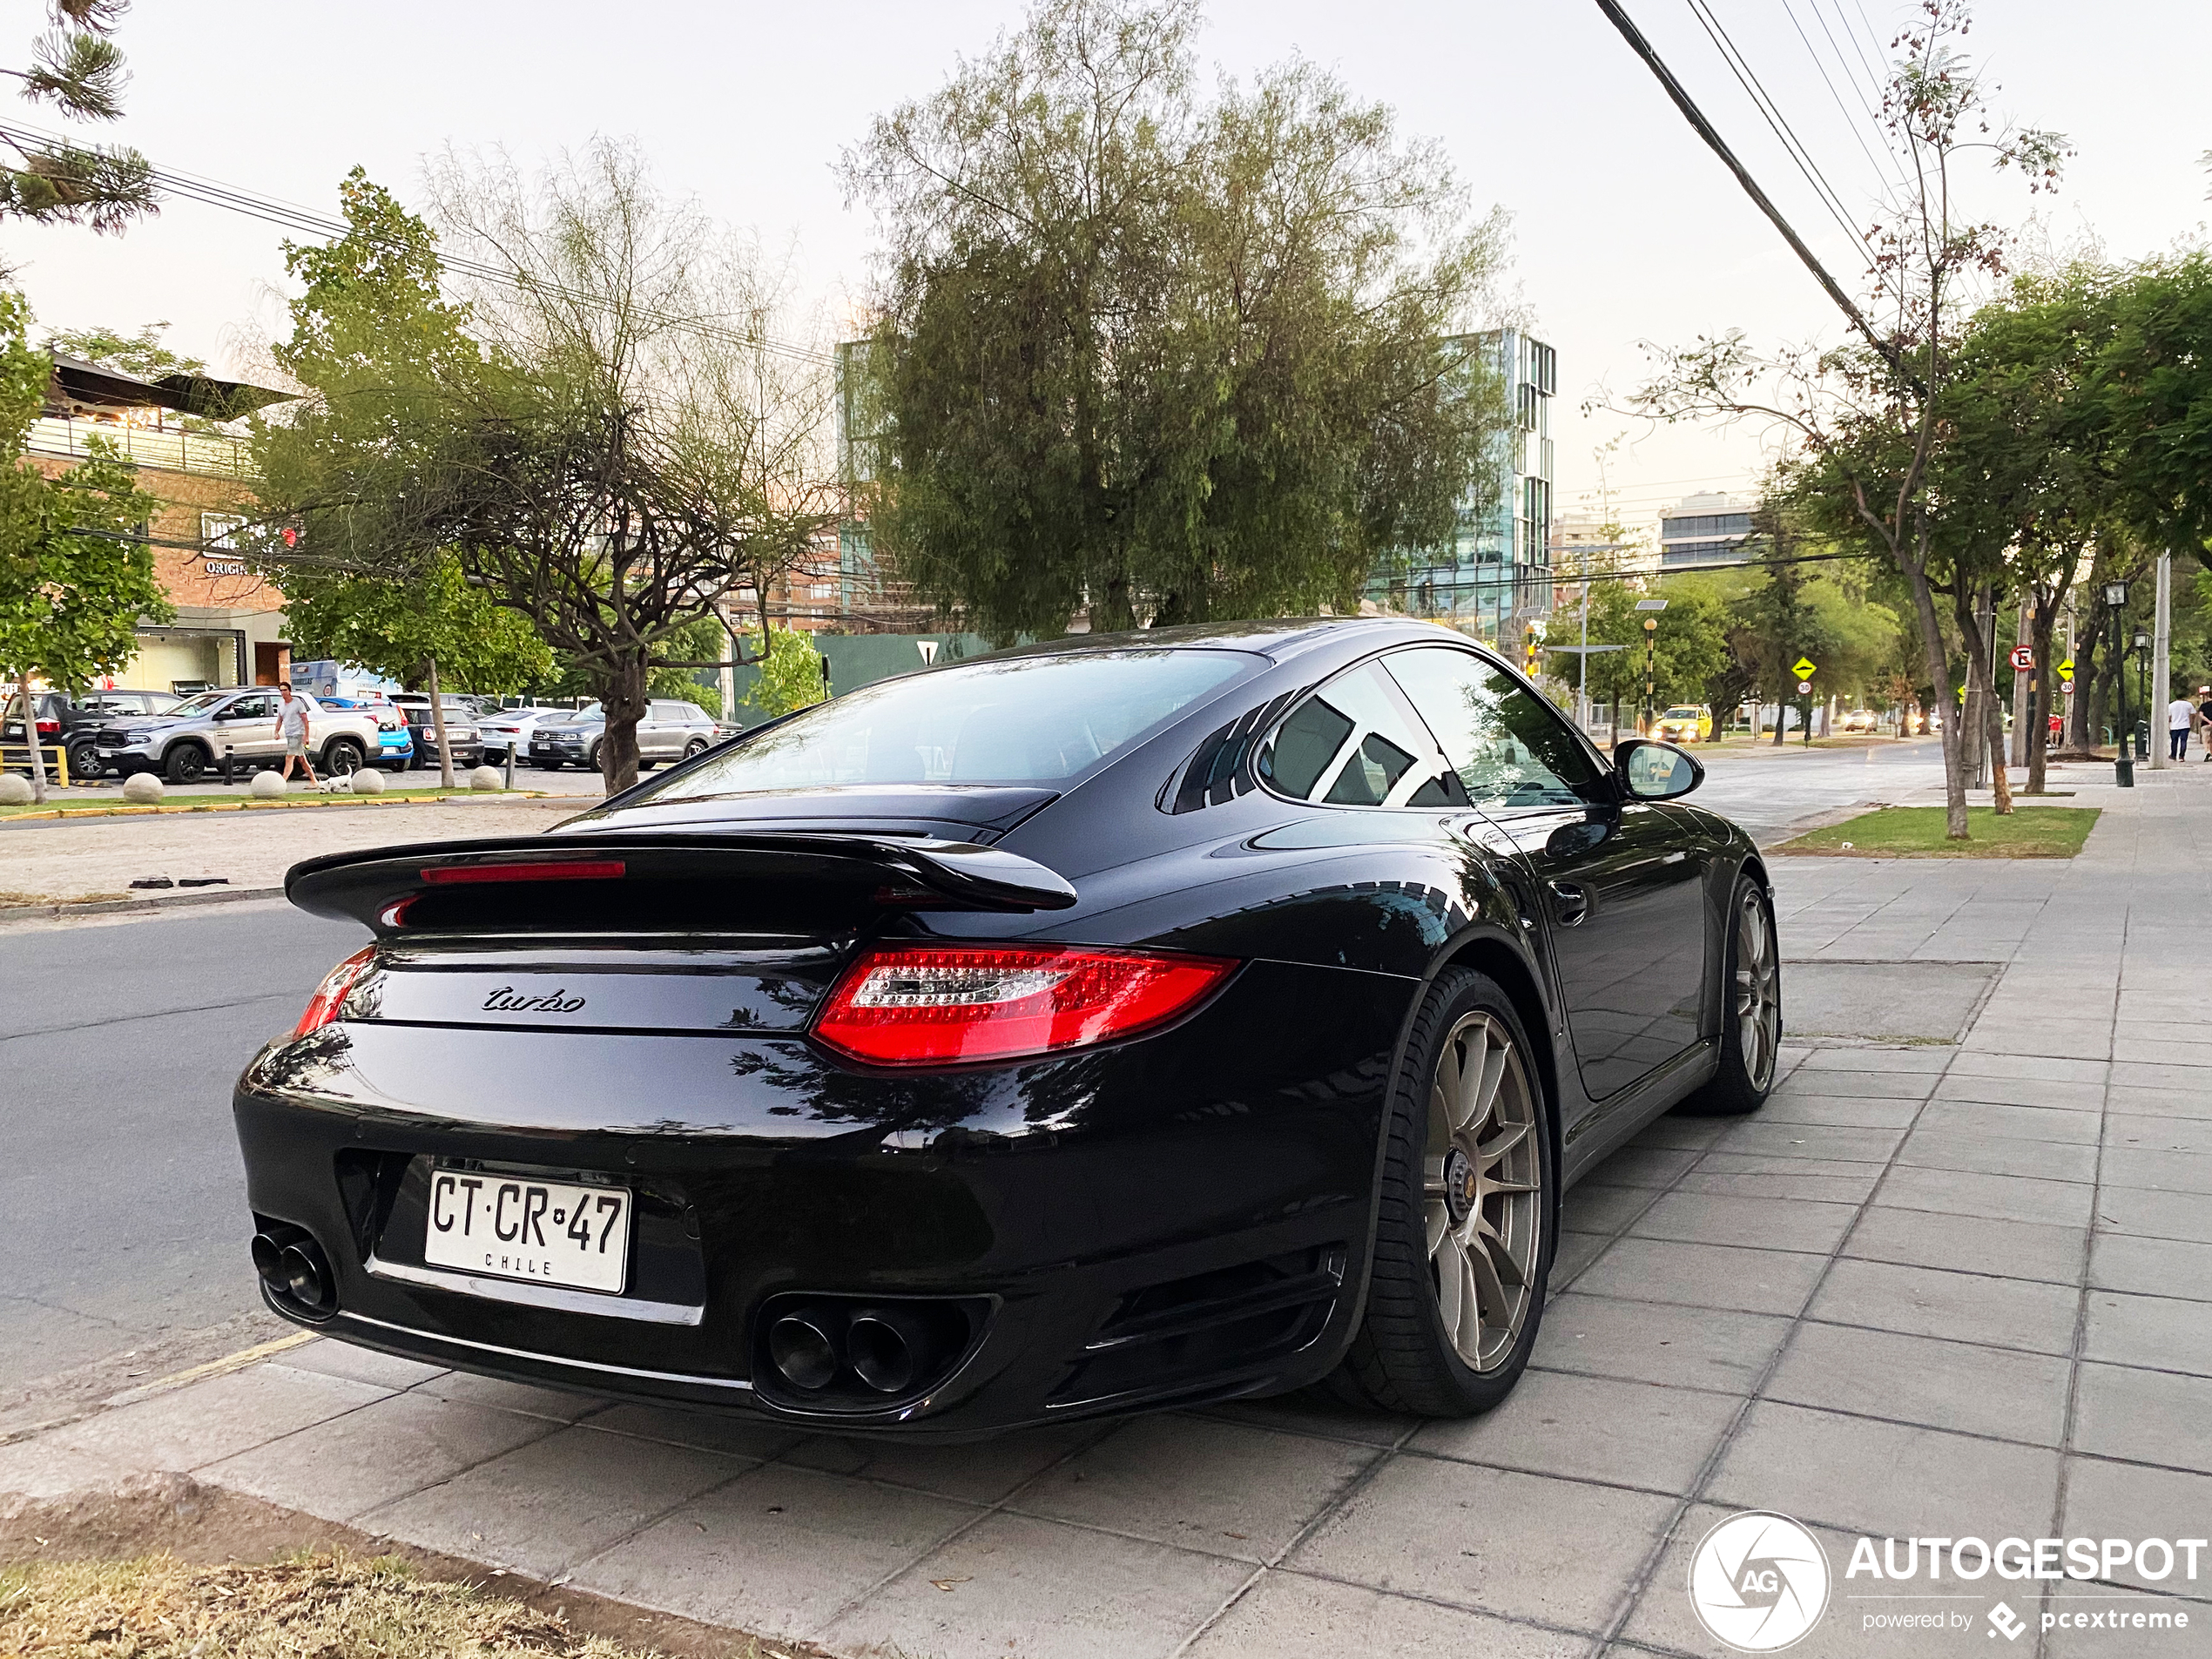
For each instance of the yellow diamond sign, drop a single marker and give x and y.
(1803, 667)
(2066, 669)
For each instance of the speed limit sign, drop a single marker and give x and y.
(2023, 657)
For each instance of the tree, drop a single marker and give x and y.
(1865, 418)
(77, 68)
(573, 439)
(1169, 358)
(1688, 647)
(432, 631)
(791, 674)
(141, 353)
(76, 572)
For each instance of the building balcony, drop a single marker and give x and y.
(160, 447)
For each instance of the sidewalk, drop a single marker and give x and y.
(1961, 1286)
(52, 860)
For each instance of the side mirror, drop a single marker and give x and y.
(1651, 770)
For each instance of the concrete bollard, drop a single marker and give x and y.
(15, 791)
(367, 782)
(484, 778)
(142, 789)
(268, 786)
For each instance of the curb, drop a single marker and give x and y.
(122, 809)
(121, 907)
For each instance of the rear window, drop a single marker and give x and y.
(1025, 720)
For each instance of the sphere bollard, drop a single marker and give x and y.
(142, 789)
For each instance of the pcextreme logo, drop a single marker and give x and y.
(1758, 1582)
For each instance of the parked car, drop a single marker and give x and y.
(1685, 723)
(1114, 1023)
(460, 728)
(510, 729)
(1860, 720)
(72, 720)
(186, 743)
(668, 732)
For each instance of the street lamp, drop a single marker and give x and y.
(1651, 645)
(2142, 693)
(2115, 598)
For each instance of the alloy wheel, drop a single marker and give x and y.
(1482, 1191)
(1758, 992)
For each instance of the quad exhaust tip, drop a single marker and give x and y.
(885, 1349)
(296, 1273)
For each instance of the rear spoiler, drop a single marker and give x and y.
(373, 887)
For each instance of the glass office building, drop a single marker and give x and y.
(1495, 576)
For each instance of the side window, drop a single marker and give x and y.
(1507, 746)
(662, 713)
(1350, 744)
(251, 708)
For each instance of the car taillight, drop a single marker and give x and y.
(47, 728)
(323, 1007)
(917, 1005)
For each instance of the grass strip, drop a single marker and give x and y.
(328, 1604)
(1918, 832)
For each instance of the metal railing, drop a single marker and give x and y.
(170, 451)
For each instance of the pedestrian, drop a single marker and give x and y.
(2204, 711)
(292, 727)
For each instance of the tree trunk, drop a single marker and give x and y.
(2046, 621)
(30, 739)
(1984, 719)
(1954, 770)
(623, 699)
(438, 727)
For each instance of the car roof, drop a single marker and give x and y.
(1278, 639)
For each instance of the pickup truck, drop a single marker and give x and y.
(189, 742)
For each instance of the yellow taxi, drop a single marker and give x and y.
(1686, 723)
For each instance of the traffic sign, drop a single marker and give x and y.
(2023, 659)
(1804, 688)
(2066, 669)
(1803, 668)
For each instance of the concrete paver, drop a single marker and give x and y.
(1940, 1289)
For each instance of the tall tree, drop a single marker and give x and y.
(1865, 422)
(1171, 358)
(77, 70)
(76, 572)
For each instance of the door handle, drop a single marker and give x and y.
(1570, 903)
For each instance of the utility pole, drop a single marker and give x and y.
(1650, 651)
(2161, 671)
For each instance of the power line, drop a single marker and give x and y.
(1771, 111)
(289, 216)
(1706, 131)
(1849, 120)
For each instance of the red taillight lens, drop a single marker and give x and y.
(919, 1005)
(323, 1007)
(47, 728)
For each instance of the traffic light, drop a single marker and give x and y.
(1528, 652)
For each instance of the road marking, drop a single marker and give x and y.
(238, 1361)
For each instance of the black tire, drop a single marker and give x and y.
(342, 756)
(591, 761)
(1403, 1358)
(1750, 1000)
(695, 748)
(84, 760)
(185, 763)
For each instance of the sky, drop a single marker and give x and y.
(1626, 230)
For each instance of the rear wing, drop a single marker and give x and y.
(663, 881)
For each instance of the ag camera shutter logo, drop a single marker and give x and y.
(1758, 1582)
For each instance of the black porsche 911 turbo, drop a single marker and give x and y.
(1109, 1024)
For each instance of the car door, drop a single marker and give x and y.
(660, 735)
(1619, 887)
(246, 726)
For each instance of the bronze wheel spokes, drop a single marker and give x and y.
(1483, 1190)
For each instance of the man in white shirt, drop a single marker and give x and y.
(292, 727)
(2181, 715)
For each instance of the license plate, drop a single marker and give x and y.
(512, 1227)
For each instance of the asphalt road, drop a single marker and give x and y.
(121, 1194)
(123, 1199)
(1767, 791)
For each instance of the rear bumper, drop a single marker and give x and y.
(1180, 1218)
